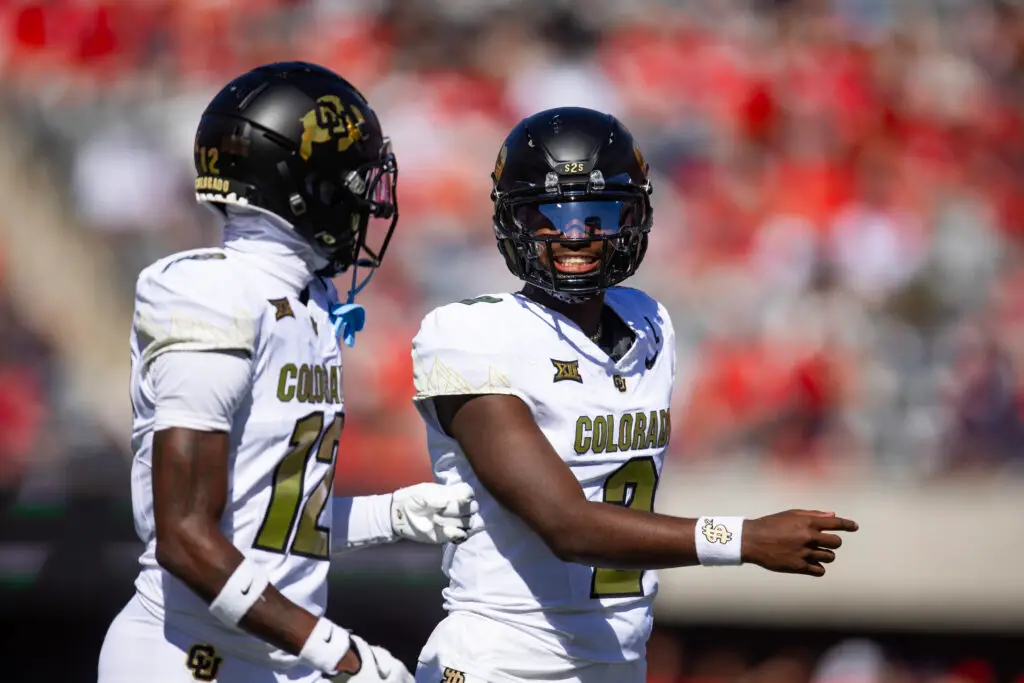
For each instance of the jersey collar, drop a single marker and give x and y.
(271, 245)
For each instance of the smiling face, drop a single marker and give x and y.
(574, 236)
(571, 194)
(571, 257)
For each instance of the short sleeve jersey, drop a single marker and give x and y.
(283, 435)
(608, 420)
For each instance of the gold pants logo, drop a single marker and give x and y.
(203, 662)
(453, 676)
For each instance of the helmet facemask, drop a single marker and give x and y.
(349, 221)
(531, 223)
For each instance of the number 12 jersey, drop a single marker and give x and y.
(283, 435)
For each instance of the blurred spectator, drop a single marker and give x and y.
(23, 399)
(837, 188)
(837, 184)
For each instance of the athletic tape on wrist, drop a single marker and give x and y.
(367, 518)
(325, 647)
(240, 592)
(384, 507)
(719, 540)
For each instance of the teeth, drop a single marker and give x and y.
(576, 260)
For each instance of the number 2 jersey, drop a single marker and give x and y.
(609, 421)
(283, 435)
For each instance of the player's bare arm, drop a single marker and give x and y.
(190, 483)
(515, 461)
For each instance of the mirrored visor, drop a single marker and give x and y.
(577, 220)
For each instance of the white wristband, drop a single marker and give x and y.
(325, 647)
(719, 540)
(240, 592)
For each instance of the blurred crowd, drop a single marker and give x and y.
(839, 215)
(838, 231)
(24, 364)
(675, 659)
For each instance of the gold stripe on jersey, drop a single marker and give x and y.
(637, 431)
(309, 383)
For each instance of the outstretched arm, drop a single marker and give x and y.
(514, 460)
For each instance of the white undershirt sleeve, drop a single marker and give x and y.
(361, 521)
(198, 390)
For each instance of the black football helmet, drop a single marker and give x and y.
(299, 141)
(571, 176)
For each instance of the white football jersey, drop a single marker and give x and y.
(283, 436)
(609, 421)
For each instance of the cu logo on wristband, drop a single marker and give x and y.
(716, 533)
(203, 662)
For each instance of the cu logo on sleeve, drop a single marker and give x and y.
(203, 662)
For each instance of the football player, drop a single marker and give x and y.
(553, 404)
(236, 391)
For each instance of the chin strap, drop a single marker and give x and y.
(349, 317)
(347, 320)
(568, 297)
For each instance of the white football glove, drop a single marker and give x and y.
(435, 513)
(379, 666)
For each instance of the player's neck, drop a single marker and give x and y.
(271, 245)
(586, 314)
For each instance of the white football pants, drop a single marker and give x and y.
(140, 647)
(466, 648)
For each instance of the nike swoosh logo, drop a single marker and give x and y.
(245, 591)
(649, 362)
(654, 331)
(329, 636)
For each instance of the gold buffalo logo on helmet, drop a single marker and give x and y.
(328, 121)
